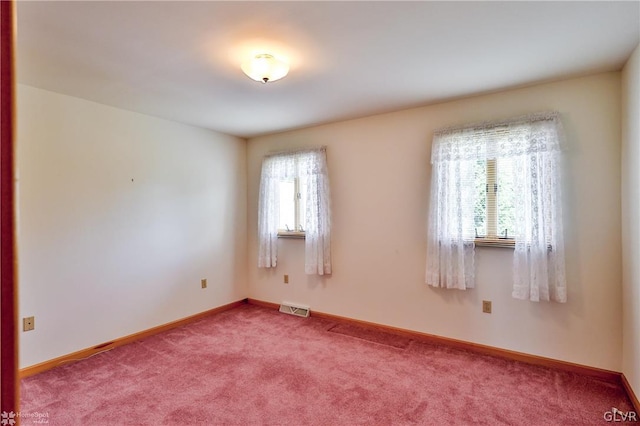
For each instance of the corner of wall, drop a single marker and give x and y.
(630, 166)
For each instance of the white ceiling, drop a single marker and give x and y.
(181, 60)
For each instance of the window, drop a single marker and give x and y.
(293, 195)
(494, 208)
(295, 201)
(498, 183)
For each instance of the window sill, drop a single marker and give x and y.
(495, 242)
(291, 234)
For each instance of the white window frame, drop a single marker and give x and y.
(492, 238)
(296, 232)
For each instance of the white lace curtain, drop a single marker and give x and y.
(534, 143)
(310, 166)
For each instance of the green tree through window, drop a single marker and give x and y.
(494, 210)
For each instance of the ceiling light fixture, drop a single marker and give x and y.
(264, 67)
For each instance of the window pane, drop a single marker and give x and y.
(303, 203)
(505, 198)
(287, 206)
(480, 209)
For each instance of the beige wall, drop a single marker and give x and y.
(631, 220)
(121, 215)
(380, 173)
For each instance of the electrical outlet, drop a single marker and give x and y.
(203, 283)
(486, 306)
(286, 279)
(28, 323)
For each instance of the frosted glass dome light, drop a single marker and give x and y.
(264, 68)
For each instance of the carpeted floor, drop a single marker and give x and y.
(253, 365)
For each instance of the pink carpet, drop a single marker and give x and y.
(253, 365)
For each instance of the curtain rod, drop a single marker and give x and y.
(322, 148)
(488, 125)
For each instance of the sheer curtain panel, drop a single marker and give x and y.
(310, 166)
(450, 246)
